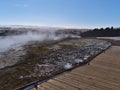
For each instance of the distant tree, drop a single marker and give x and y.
(107, 28)
(107, 32)
(96, 29)
(112, 28)
(101, 29)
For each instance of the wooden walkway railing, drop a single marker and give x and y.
(103, 73)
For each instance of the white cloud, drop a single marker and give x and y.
(22, 5)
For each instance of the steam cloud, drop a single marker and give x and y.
(16, 41)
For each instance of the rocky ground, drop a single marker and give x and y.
(38, 61)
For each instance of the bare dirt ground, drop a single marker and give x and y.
(102, 74)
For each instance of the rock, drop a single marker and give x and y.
(78, 60)
(68, 66)
(21, 77)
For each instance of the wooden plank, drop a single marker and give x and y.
(88, 81)
(77, 84)
(62, 85)
(42, 88)
(46, 86)
(102, 66)
(99, 75)
(98, 79)
(96, 71)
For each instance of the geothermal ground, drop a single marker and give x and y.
(38, 61)
(27, 57)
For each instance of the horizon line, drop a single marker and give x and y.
(55, 26)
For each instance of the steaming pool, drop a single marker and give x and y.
(15, 42)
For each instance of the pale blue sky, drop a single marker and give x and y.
(72, 13)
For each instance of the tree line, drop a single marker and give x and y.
(102, 32)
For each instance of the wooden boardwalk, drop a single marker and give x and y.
(103, 73)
